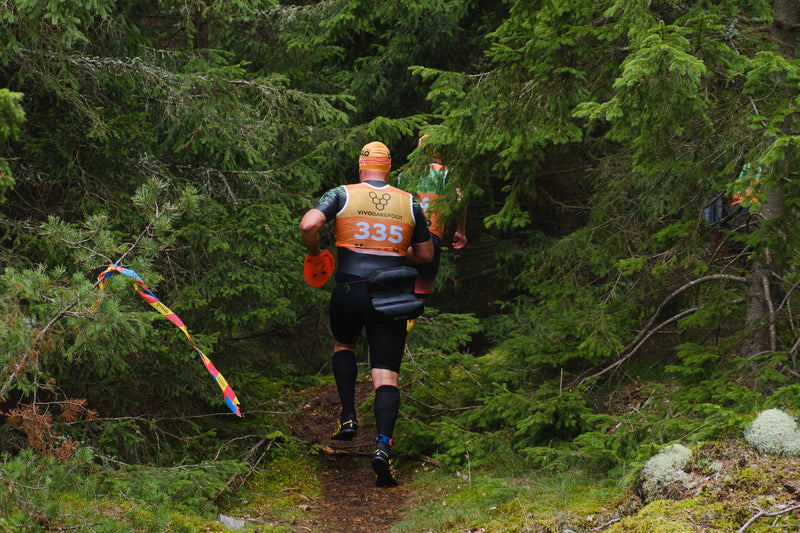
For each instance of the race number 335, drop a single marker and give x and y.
(378, 232)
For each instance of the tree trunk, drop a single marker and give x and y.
(783, 30)
(201, 28)
(759, 320)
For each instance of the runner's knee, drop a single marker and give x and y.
(337, 346)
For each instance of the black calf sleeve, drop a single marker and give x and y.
(345, 373)
(387, 405)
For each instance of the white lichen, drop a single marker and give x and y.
(774, 432)
(664, 472)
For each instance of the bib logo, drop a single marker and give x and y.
(380, 201)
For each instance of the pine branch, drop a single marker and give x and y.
(39, 336)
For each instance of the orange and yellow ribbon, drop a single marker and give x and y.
(230, 397)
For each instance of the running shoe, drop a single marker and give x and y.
(383, 464)
(346, 430)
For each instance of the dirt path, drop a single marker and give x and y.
(350, 501)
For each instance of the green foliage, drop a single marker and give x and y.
(11, 117)
(112, 499)
(454, 445)
(179, 164)
(67, 21)
(785, 396)
(697, 362)
(661, 60)
(184, 140)
(367, 47)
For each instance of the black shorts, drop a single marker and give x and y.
(350, 312)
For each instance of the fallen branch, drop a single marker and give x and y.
(246, 459)
(601, 527)
(762, 512)
(339, 451)
(428, 459)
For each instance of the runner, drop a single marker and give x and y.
(428, 189)
(378, 230)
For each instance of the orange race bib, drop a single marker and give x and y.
(375, 219)
(435, 221)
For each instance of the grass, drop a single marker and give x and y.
(42, 494)
(494, 501)
(557, 488)
(278, 495)
(735, 487)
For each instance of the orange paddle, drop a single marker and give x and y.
(318, 268)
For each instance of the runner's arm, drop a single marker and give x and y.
(460, 235)
(310, 226)
(420, 253)
(421, 250)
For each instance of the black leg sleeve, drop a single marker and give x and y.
(345, 373)
(387, 406)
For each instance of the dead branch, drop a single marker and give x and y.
(446, 409)
(789, 371)
(339, 451)
(246, 459)
(786, 299)
(762, 512)
(680, 290)
(635, 349)
(601, 527)
(36, 338)
(244, 437)
(427, 459)
(773, 342)
(648, 330)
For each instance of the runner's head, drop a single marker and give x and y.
(375, 156)
(436, 156)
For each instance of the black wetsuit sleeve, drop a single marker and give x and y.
(421, 233)
(332, 202)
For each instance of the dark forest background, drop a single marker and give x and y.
(590, 141)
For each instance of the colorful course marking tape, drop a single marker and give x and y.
(230, 397)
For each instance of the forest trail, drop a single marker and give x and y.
(350, 502)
